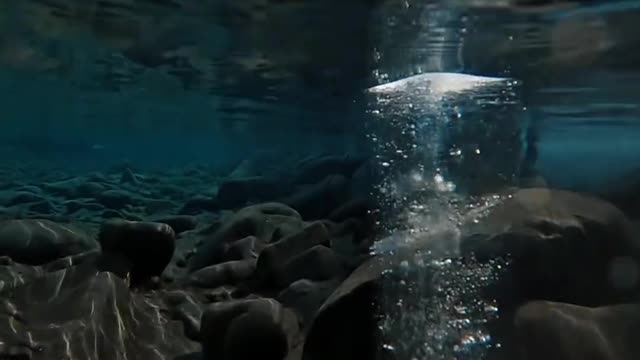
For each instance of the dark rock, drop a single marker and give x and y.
(246, 248)
(90, 189)
(235, 193)
(179, 223)
(56, 218)
(167, 278)
(345, 326)
(189, 253)
(219, 294)
(352, 238)
(273, 259)
(310, 170)
(286, 229)
(130, 216)
(74, 205)
(559, 331)
(96, 177)
(562, 246)
(260, 221)
(11, 198)
(65, 188)
(625, 193)
(228, 273)
(75, 303)
(128, 177)
(170, 190)
(357, 208)
(318, 200)
(185, 308)
(43, 207)
(274, 209)
(147, 247)
(112, 214)
(245, 329)
(36, 242)
(115, 199)
(318, 264)
(152, 206)
(73, 260)
(306, 296)
(363, 181)
(198, 205)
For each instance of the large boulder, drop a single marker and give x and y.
(36, 241)
(318, 200)
(228, 273)
(247, 329)
(562, 246)
(345, 327)
(141, 249)
(265, 222)
(52, 314)
(277, 260)
(559, 246)
(311, 169)
(559, 331)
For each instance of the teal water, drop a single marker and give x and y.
(450, 104)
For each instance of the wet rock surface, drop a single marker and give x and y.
(132, 264)
(572, 260)
(135, 265)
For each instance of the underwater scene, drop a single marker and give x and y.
(319, 180)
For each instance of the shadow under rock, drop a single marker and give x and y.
(190, 356)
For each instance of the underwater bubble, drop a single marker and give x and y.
(490, 309)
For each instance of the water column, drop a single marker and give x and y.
(431, 126)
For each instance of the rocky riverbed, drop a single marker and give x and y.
(188, 264)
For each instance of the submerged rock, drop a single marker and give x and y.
(317, 201)
(562, 246)
(260, 221)
(306, 297)
(228, 273)
(57, 314)
(11, 198)
(128, 177)
(559, 331)
(246, 329)
(146, 248)
(238, 192)
(274, 258)
(179, 223)
(312, 169)
(345, 327)
(116, 199)
(199, 204)
(38, 241)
